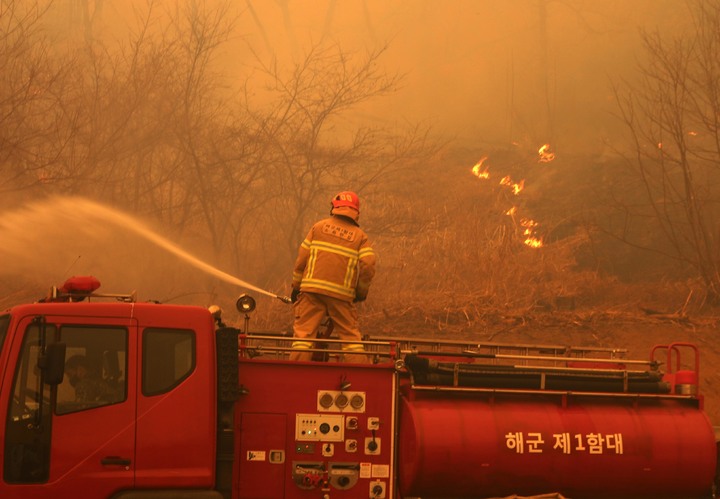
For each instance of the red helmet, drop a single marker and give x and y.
(346, 198)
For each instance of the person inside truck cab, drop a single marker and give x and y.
(89, 387)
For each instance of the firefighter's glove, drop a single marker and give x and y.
(294, 295)
(360, 297)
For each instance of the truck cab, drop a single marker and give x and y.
(127, 365)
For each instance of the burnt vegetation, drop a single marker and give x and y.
(147, 123)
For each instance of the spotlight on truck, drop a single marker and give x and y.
(245, 304)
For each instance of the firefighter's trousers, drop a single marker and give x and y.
(310, 309)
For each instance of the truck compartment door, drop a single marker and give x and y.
(261, 455)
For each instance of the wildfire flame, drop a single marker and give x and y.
(516, 187)
(530, 239)
(476, 169)
(534, 242)
(529, 226)
(546, 155)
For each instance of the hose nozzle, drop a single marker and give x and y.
(284, 299)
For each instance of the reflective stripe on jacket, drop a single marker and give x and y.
(335, 259)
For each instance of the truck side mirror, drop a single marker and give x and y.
(52, 363)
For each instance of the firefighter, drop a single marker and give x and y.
(333, 271)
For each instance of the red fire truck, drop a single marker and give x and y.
(103, 396)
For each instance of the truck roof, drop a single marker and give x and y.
(146, 313)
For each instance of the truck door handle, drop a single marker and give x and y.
(115, 460)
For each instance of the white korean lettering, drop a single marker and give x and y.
(533, 441)
(614, 442)
(595, 443)
(515, 441)
(562, 442)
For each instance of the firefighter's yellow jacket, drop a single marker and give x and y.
(335, 259)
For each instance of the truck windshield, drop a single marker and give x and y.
(4, 322)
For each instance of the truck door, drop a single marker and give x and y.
(78, 439)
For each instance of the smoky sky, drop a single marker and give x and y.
(485, 72)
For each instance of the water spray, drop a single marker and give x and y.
(137, 227)
(73, 204)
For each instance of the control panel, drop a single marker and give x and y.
(337, 440)
(319, 427)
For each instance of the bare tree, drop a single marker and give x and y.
(673, 118)
(30, 80)
(314, 148)
(155, 134)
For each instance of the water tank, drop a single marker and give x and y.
(464, 443)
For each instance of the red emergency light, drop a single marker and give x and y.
(76, 288)
(80, 285)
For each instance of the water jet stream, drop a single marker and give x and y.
(91, 209)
